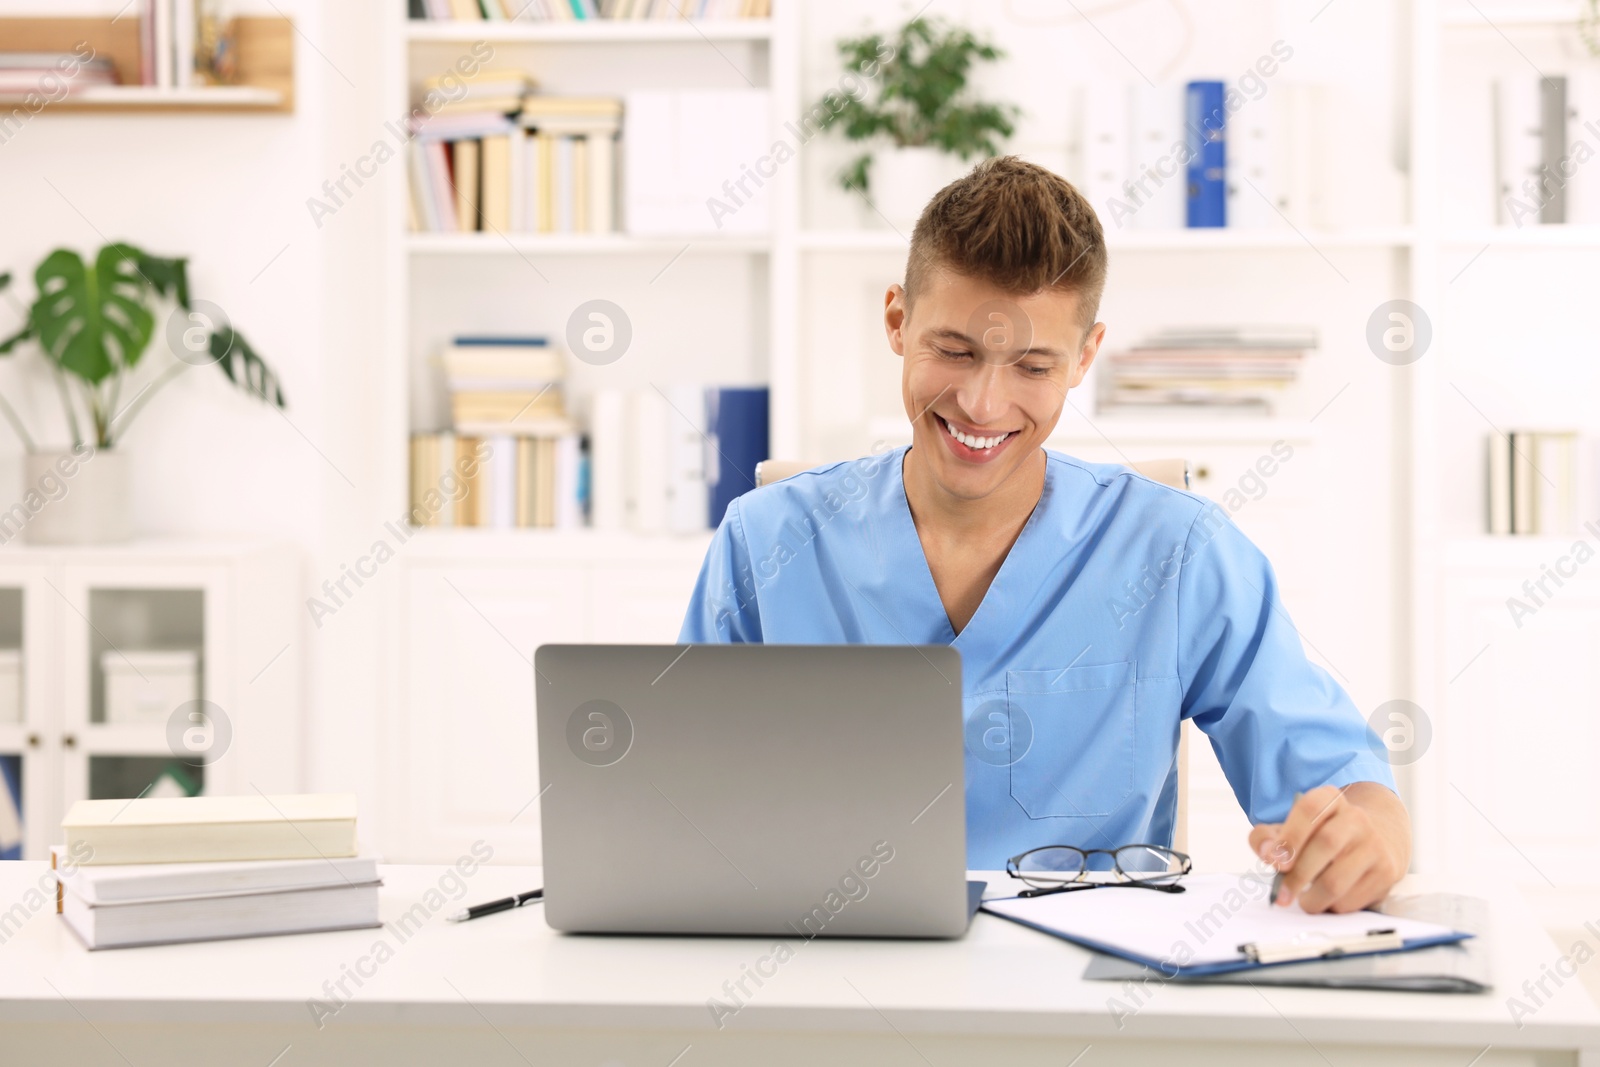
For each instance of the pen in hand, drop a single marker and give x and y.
(504, 904)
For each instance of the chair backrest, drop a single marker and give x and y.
(1173, 472)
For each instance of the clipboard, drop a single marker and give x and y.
(1221, 924)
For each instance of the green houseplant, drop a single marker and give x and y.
(917, 116)
(93, 323)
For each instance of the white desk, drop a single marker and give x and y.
(507, 990)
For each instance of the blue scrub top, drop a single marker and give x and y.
(1124, 607)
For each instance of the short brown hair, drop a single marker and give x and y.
(1016, 225)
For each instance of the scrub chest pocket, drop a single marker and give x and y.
(1083, 724)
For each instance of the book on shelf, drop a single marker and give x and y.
(670, 460)
(585, 10)
(1532, 482)
(1206, 118)
(531, 478)
(211, 828)
(529, 164)
(1225, 370)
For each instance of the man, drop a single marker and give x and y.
(1093, 608)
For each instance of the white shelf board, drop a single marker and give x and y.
(1122, 430)
(145, 96)
(1568, 235)
(1524, 554)
(13, 738)
(602, 31)
(1492, 16)
(467, 546)
(1195, 240)
(498, 244)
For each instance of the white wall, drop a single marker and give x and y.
(229, 192)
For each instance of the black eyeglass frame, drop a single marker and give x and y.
(1167, 884)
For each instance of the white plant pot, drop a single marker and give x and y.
(72, 498)
(904, 180)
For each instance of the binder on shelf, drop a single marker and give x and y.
(1205, 122)
(1156, 135)
(737, 419)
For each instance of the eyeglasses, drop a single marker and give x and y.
(1061, 868)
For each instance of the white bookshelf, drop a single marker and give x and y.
(1374, 535)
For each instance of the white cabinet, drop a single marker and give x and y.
(465, 764)
(233, 605)
(1510, 768)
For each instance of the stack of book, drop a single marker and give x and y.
(581, 10)
(505, 385)
(512, 456)
(1219, 370)
(508, 162)
(52, 75)
(1533, 482)
(155, 871)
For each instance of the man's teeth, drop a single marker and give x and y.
(974, 442)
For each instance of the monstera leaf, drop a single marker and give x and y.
(92, 322)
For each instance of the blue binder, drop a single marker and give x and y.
(1205, 123)
(736, 421)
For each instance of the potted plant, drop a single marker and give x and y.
(93, 323)
(917, 115)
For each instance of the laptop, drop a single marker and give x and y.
(772, 790)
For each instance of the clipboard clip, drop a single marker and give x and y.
(1318, 947)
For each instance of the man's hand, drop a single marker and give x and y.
(1340, 849)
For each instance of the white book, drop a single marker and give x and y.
(1297, 153)
(164, 43)
(1251, 170)
(1106, 157)
(569, 461)
(687, 502)
(502, 483)
(128, 882)
(211, 828)
(1518, 150)
(564, 195)
(519, 181)
(608, 459)
(1155, 183)
(1583, 183)
(602, 183)
(183, 43)
(159, 922)
(647, 428)
(422, 206)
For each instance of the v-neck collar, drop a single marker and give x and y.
(924, 574)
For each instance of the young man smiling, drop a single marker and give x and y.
(978, 537)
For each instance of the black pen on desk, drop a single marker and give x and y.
(505, 904)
